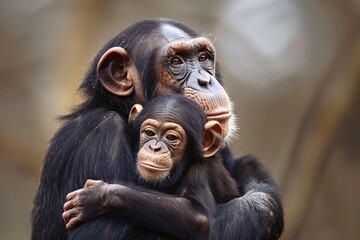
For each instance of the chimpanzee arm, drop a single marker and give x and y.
(258, 213)
(184, 217)
(91, 145)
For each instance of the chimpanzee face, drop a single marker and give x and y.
(181, 64)
(189, 65)
(162, 146)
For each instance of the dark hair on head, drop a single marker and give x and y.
(181, 110)
(141, 40)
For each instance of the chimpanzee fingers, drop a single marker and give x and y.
(68, 205)
(73, 222)
(69, 214)
(91, 182)
(73, 194)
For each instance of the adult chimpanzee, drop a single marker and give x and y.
(175, 138)
(150, 58)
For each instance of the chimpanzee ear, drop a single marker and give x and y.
(134, 112)
(213, 138)
(115, 71)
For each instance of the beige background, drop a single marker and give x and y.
(291, 67)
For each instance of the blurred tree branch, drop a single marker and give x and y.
(317, 134)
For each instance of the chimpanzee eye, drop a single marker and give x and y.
(171, 137)
(149, 133)
(176, 61)
(203, 57)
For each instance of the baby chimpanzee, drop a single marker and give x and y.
(181, 177)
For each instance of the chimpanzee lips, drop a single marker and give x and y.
(152, 166)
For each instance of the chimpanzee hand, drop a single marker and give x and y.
(85, 203)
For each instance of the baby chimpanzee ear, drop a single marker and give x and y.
(134, 112)
(213, 137)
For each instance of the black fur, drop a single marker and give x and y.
(194, 185)
(93, 142)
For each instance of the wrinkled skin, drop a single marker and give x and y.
(78, 209)
(93, 140)
(174, 138)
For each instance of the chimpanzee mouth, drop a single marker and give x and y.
(152, 166)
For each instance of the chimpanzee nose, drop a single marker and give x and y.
(155, 146)
(203, 78)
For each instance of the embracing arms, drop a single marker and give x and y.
(181, 217)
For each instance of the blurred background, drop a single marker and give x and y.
(292, 67)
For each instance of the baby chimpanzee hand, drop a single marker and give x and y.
(85, 203)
